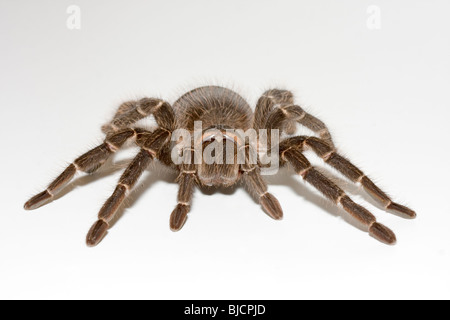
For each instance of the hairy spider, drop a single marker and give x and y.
(220, 109)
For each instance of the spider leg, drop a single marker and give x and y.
(88, 162)
(293, 154)
(276, 110)
(331, 157)
(255, 183)
(317, 126)
(131, 112)
(186, 181)
(125, 107)
(149, 150)
(267, 102)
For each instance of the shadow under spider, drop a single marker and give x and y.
(157, 173)
(285, 177)
(106, 170)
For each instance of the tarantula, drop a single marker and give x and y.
(220, 109)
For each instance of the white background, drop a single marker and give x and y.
(383, 93)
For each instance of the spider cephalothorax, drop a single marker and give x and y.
(220, 155)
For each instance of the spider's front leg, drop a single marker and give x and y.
(118, 133)
(186, 181)
(292, 152)
(255, 183)
(151, 144)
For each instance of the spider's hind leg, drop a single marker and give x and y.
(276, 110)
(131, 112)
(331, 157)
(292, 153)
(88, 163)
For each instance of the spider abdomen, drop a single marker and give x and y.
(214, 106)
